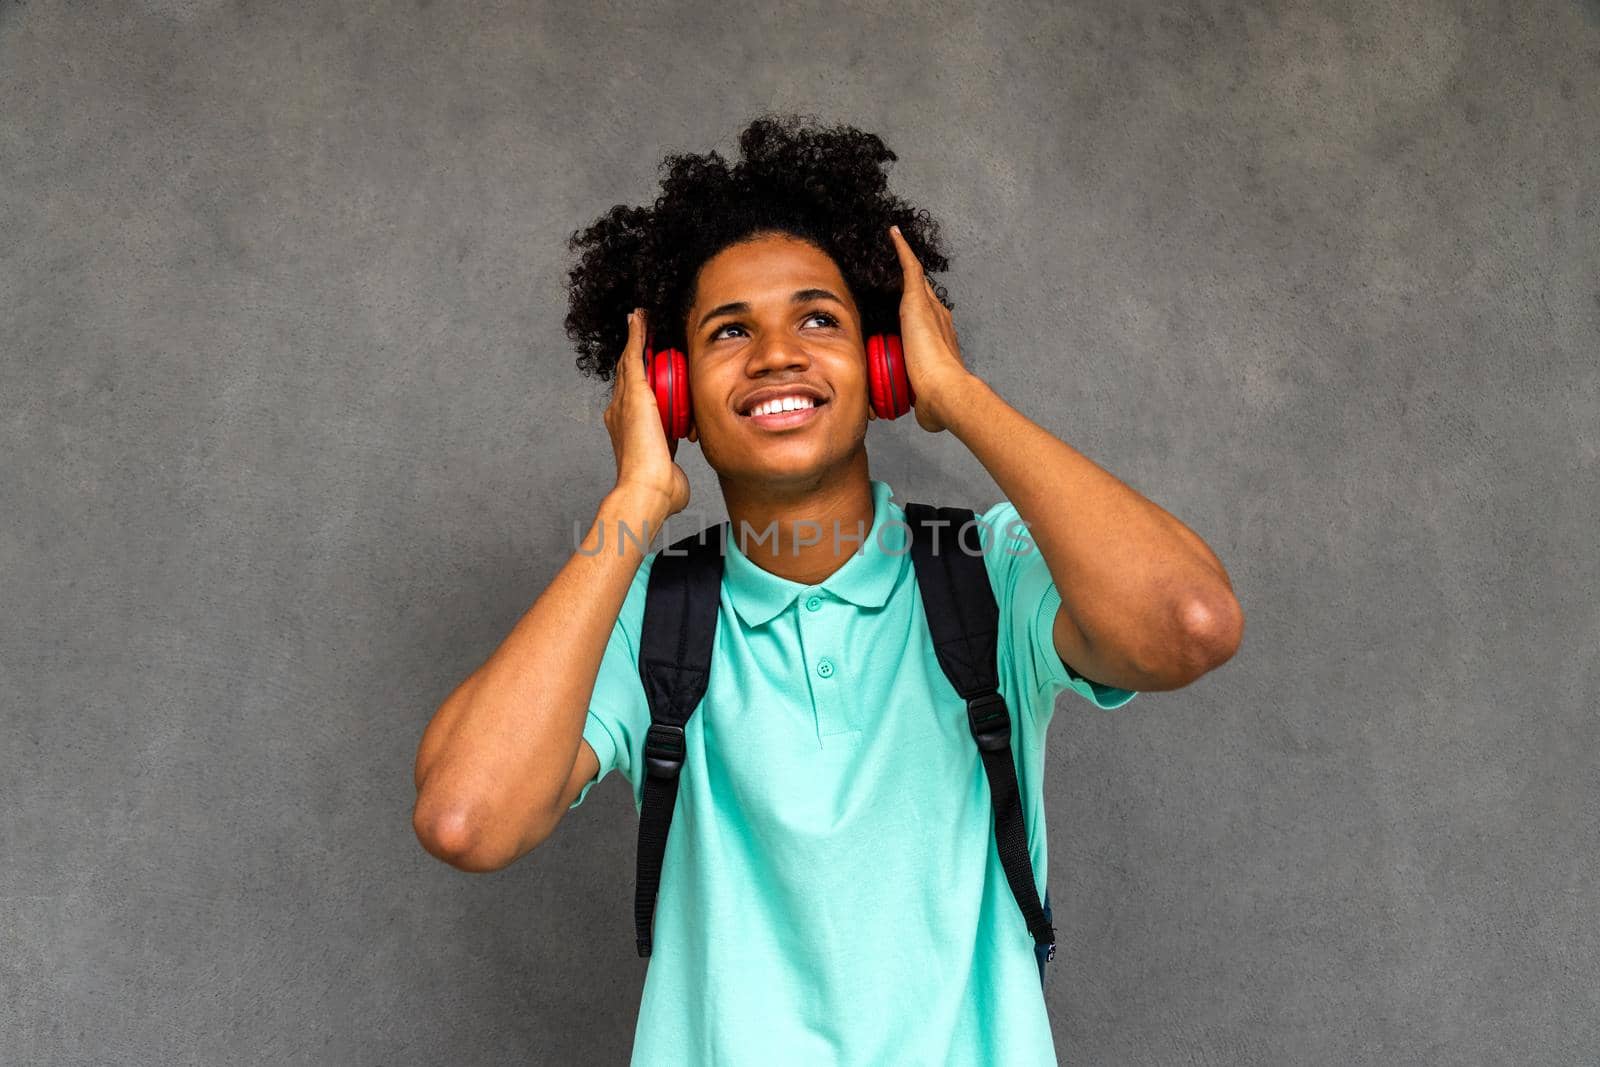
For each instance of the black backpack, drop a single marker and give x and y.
(680, 621)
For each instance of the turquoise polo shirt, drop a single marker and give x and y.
(831, 891)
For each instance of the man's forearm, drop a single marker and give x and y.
(492, 764)
(1129, 573)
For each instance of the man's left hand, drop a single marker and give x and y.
(928, 342)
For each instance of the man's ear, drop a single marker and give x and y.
(694, 431)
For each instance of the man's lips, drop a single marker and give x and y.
(784, 420)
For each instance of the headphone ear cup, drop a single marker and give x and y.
(668, 372)
(875, 375)
(680, 394)
(888, 384)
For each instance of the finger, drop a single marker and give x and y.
(635, 345)
(909, 265)
(629, 369)
(632, 361)
(941, 313)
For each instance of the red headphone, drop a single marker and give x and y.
(888, 384)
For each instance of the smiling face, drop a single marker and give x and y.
(777, 368)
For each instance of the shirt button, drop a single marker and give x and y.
(825, 667)
(813, 603)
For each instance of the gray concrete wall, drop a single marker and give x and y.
(291, 437)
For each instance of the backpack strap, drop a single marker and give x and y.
(963, 620)
(680, 622)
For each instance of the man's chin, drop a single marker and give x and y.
(776, 467)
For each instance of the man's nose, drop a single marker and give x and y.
(778, 352)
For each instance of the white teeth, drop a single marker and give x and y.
(786, 403)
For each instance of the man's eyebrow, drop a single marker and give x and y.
(739, 307)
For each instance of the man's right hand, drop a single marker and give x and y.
(645, 463)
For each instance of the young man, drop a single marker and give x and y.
(831, 890)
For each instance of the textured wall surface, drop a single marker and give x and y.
(291, 437)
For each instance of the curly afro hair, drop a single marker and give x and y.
(825, 185)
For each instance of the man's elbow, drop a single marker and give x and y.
(1212, 629)
(1202, 634)
(456, 835)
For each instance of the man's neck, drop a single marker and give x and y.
(804, 533)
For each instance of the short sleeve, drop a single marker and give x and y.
(1028, 600)
(619, 713)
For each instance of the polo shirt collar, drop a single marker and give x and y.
(866, 579)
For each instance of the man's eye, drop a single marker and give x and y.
(716, 335)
